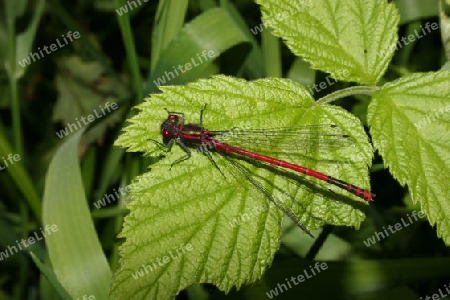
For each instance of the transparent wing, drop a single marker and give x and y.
(317, 140)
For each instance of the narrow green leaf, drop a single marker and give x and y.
(254, 63)
(20, 176)
(353, 40)
(24, 41)
(9, 237)
(410, 121)
(50, 277)
(168, 22)
(196, 47)
(272, 54)
(74, 249)
(130, 47)
(192, 203)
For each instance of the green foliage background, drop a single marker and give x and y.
(119, 59)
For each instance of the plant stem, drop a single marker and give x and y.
(15, 105)
(327, 229)
(272, 54)
(354, 90)
(128, 39)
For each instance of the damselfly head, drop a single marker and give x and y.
(169, 128)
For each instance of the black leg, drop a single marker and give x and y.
(214, 163)
(201, 114)
(159, 144)
(185, 148)
(177, 113)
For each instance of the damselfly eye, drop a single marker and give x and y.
(166, 134)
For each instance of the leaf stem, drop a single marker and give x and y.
(12, 76)
(272, 54)
(354, 90)
(327, 229)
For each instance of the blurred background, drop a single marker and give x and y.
(64, 60)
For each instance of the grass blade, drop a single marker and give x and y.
(74, 249)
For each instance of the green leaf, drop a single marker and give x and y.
(197, 46)
(410, 121)
(271, 49)
(353, 41)
(25, 40)
(20, 176)
(74, 249)
(83, 92)
(253, 64)
(168, 21)
(233, 229)
(50, 277)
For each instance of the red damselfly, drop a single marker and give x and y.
(195, 135)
